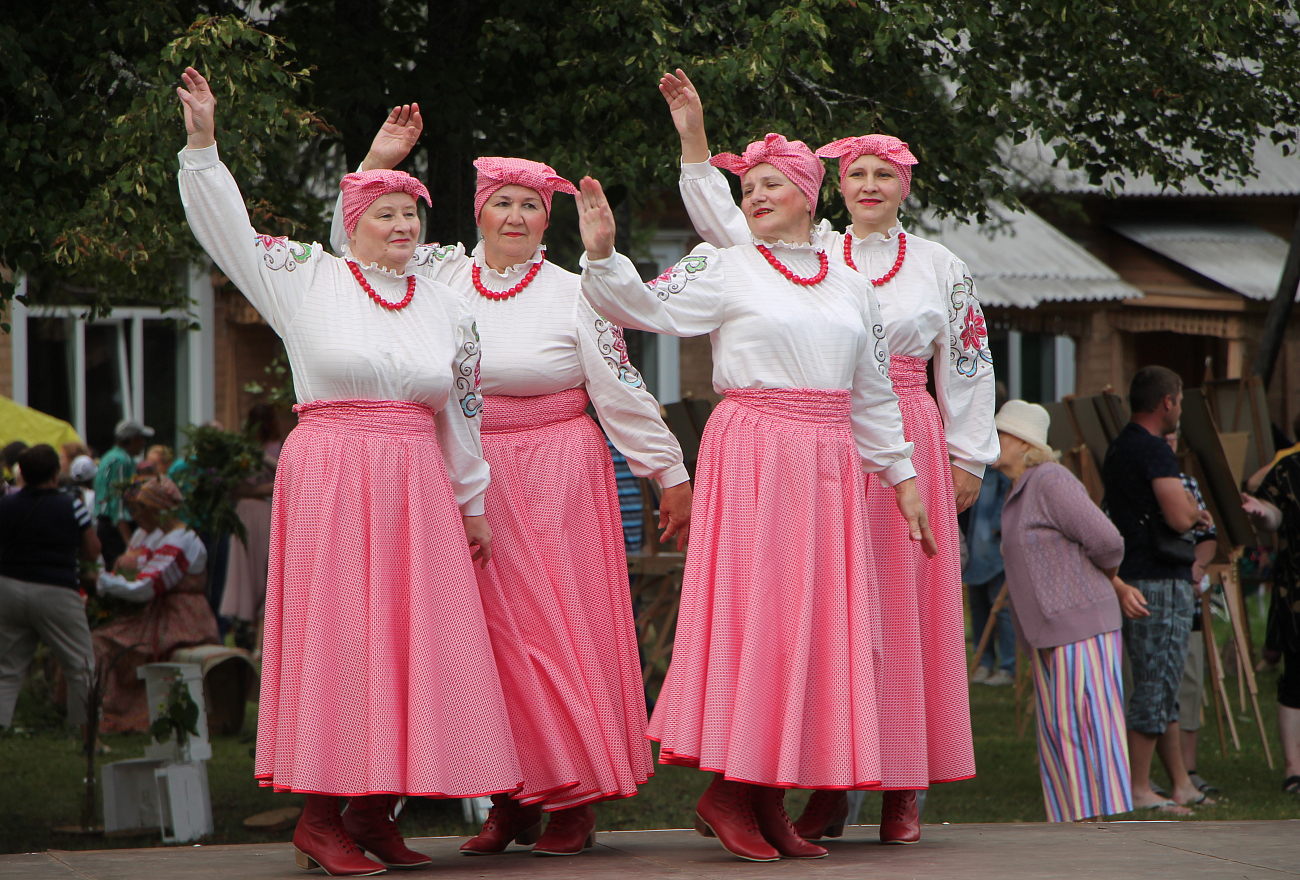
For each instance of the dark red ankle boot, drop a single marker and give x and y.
(900, 821)
(507, 821)
(726, 811)
(769, 809)
(824, 816)
(568, 832)
(321, 841)
(371, 821)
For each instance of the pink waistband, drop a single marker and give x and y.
(818, 406)
(908, 374)
(506, 415)
(381, 416)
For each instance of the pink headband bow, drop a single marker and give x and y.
(891, 149)
(791, 158)
(495, 172)
(362, 188)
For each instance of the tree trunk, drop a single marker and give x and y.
(1279, 313)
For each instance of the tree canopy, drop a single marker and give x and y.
(89, 126)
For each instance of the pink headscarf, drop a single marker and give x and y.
(362, 188)
(495, 172)
(791, 158)
(891, 149)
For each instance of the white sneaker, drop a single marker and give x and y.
(999, 678)
(981, 674)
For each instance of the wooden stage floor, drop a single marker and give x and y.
(1116, 851)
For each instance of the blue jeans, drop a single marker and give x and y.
(982, 597)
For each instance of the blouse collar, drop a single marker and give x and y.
(480, 260)
(373, 266)
(875, 237)
(816, 244)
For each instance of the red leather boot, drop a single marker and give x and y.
(568, 832)
(769, 809)
(824, 816)
(726, 811)
(371, 821)
(900, 822)
(507, 821)
(320, 841)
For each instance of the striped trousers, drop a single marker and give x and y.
(1082, 747)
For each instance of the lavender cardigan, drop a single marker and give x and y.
(1055, 542)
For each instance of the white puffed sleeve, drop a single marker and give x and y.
(966, 389)
(877, 421)
(628, 412)
(459, 423)
(687, 300)
(272, 272)
(713, 212)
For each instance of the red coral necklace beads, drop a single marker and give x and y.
(789, 273)
(392, 307)
(898, 264)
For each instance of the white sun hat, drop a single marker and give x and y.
(1025, 420)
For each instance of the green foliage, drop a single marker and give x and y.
(178, 715)
(90, 127)
(216, 461)
(278, 385)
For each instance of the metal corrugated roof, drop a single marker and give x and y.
(1025, 261)
(1239, 256)
(1276, 175)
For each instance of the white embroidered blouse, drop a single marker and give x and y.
(768, 332)
(167, 558)
(546, 339)
(929, 308)
(341, 344)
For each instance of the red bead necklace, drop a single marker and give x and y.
(392, 307)
(505, 294)
(789, 273)
(898, 264)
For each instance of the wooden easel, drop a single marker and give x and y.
(656, 577)
(998, 604)
(1218, 687)
(1232, 594)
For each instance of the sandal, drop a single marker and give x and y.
(1201, 784)
(1291, 785)
(1203, 800)
(1165, 806)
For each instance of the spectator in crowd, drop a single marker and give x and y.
(82, 474)
(115, 468)
(1145, 498)
(244, 596)
(160, 457)
(1254, 480)
(1192, 686)
(43, 533)
(68, 453)
(13, 482)
(164, 570)
(982, 572)
(1062, 556)
(1277, 509)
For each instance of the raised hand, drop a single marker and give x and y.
(688, 114)
(595, 219)
(200, 108)
(395, 138)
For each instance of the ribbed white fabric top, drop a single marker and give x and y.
(768, 332)
(341, 344)
(929, 308)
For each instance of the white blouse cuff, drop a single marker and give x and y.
(673, 476)
(897, 472)
(599, 266)
(973, 468)
(198, 160)
(696, 170)
(472, 507)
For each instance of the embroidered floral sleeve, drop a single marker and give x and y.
(273, 272)
(440, 262)
(626, 409)
(458, 424)
(966, 390)
(686, 300)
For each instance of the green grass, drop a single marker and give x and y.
(40, 786)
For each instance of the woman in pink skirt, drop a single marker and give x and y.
(378, 678)
(927, 301)
(556, 591)
(774, 681)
